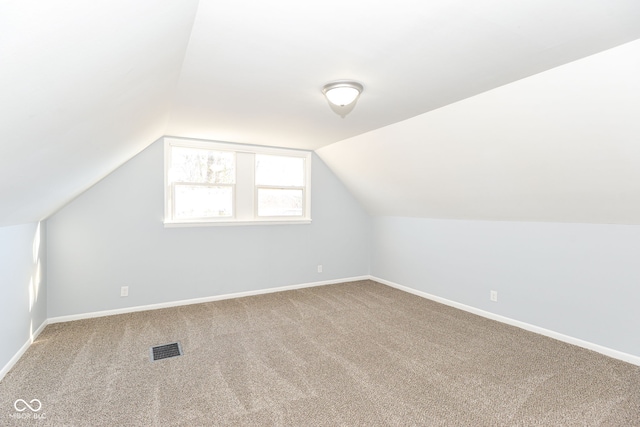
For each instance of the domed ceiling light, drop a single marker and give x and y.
(342, 95)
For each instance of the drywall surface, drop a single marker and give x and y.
(113, 235)
(581, 280)
(560, 146)
(23, 307)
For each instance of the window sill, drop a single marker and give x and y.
(177, 224)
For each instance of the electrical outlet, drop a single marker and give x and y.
(493, 296)
(319, 268)
(124, 291)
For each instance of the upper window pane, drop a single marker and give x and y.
(202, 166)
(279, 170)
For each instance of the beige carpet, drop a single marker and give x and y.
(354, 354)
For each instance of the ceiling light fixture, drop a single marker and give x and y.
(342, 95)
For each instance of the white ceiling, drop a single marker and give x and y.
(560, 146)
(86, 85)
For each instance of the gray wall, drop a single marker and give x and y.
(23, 297)
(581, 280)
(112, 236)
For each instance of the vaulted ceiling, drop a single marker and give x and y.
(84, 86)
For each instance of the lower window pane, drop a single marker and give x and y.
(199, 201)
(279, 202)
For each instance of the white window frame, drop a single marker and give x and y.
(245, 190)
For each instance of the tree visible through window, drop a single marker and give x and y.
(202, 183)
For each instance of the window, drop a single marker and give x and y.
(223, 183)
(280, 185)
(202, 183)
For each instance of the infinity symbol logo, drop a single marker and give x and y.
(35, 408)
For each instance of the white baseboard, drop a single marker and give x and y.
(73, 317)
(635, 360)
(532, 328)
(24, 348)
(81, 316)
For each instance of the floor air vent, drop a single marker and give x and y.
(165, 351)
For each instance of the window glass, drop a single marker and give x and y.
(200, 165)
(202, 201)
(280, 202)
(279, 170)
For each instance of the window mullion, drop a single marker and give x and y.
(245, 179)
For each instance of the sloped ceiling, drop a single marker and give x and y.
(86, 85)
(560, 146)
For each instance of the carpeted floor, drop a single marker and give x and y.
(353, 354)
